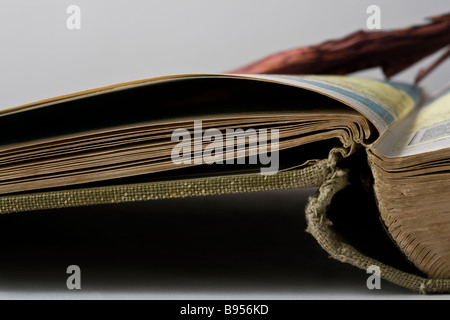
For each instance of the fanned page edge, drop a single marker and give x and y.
(357, 93)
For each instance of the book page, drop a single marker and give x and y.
(382, 102)
(427, 130)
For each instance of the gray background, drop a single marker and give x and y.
(129, 40)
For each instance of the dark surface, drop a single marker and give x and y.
(241, 246)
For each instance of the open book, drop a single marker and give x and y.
(191, 135)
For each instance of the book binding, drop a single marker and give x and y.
(320, 227)
(309, 176)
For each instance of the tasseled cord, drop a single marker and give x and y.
(322, 229)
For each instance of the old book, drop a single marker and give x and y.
(204, 134)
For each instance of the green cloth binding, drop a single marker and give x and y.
(323, 173)
(310, 176)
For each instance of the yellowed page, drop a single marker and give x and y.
(427, 130)
(381, 102)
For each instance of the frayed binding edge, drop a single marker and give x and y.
(321, 228)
